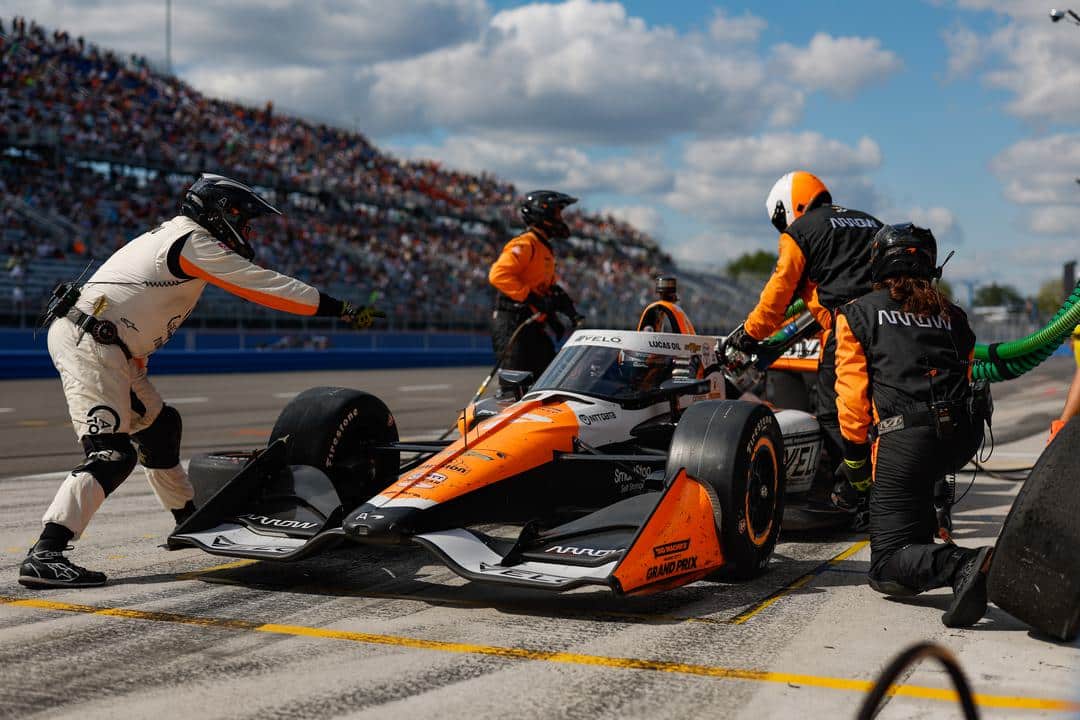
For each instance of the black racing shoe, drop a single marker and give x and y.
(969, 590)
(49, 568)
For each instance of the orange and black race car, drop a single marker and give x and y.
(627, 464)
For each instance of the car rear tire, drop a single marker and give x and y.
(333, 429)
(212, 471)
(736, 449)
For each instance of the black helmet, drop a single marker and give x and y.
(666, 288)
(225, 207)
(904, 249)
(543, 209)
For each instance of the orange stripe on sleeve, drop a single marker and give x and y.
(262, 298)
(852, 384)
(768, 316)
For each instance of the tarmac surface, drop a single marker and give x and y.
(374, 632)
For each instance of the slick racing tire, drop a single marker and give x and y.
(333, 429)
(736, 449)
(212, 471)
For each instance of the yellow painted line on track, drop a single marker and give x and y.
(225, 566)
(801, 582)
(512, 653)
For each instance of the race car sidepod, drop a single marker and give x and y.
(721, 506)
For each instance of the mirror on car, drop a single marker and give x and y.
(517, 381)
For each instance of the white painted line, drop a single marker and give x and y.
(186, 401)
(422, 388)
(6, 410)
(287, 395)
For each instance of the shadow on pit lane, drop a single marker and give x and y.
(995, 618)
(411, 575)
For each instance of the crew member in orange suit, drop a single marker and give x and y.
(103, 333)
(524, 278)
(824, 258)
(904, 396)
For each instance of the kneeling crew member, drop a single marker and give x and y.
(103, 333)
(903, 365)
(524, 276)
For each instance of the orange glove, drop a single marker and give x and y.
(1055, 428)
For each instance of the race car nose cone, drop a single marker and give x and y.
(369, 523)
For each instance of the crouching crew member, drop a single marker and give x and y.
(904, 398)
(524, 278)
(102, 334)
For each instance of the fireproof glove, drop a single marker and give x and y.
(540, 303)
(858, 473)
(360, 317)
(742, 341)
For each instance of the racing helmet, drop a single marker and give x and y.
(904, 249)
(543, 209)
(792, 195)
(225, 208)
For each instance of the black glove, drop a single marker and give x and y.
(740, 340)
(360, 318)
(539, 303)
(853, 477)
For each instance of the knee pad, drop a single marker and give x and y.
(159, 444)
(110, 458)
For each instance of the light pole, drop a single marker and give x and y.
(168, 36)
(1059, 15)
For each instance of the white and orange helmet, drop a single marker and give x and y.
(792, 195)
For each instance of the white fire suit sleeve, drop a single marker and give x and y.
(205, 258)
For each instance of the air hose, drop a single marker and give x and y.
(1004, 361)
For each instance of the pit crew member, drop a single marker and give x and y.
(904, 396)
(524, 278)
(102, 334)
(824, 256)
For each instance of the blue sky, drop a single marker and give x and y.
(959, 114)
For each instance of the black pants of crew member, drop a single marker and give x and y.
(826, 400)
(532, 350)
(904, 560)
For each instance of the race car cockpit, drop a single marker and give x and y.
(607, 373)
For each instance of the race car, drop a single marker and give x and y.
(628, 464)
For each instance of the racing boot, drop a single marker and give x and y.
(49, 568)
(969, 589)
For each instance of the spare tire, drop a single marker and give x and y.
(334, 429)
(212, 471)
(1035, 571)
(736, 448)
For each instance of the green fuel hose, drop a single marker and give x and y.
(1004, 361)
(997, 362)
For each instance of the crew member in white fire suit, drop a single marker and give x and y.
(103, 333)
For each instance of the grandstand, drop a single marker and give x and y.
(97, 147)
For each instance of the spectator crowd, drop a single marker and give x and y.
(98, 147)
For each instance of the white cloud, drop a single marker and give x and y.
(580, 69)
(644, 217)
(726, 181)
(941, 221)
(745, 28)
(966, 52)
(529, 162)
(840, 66)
